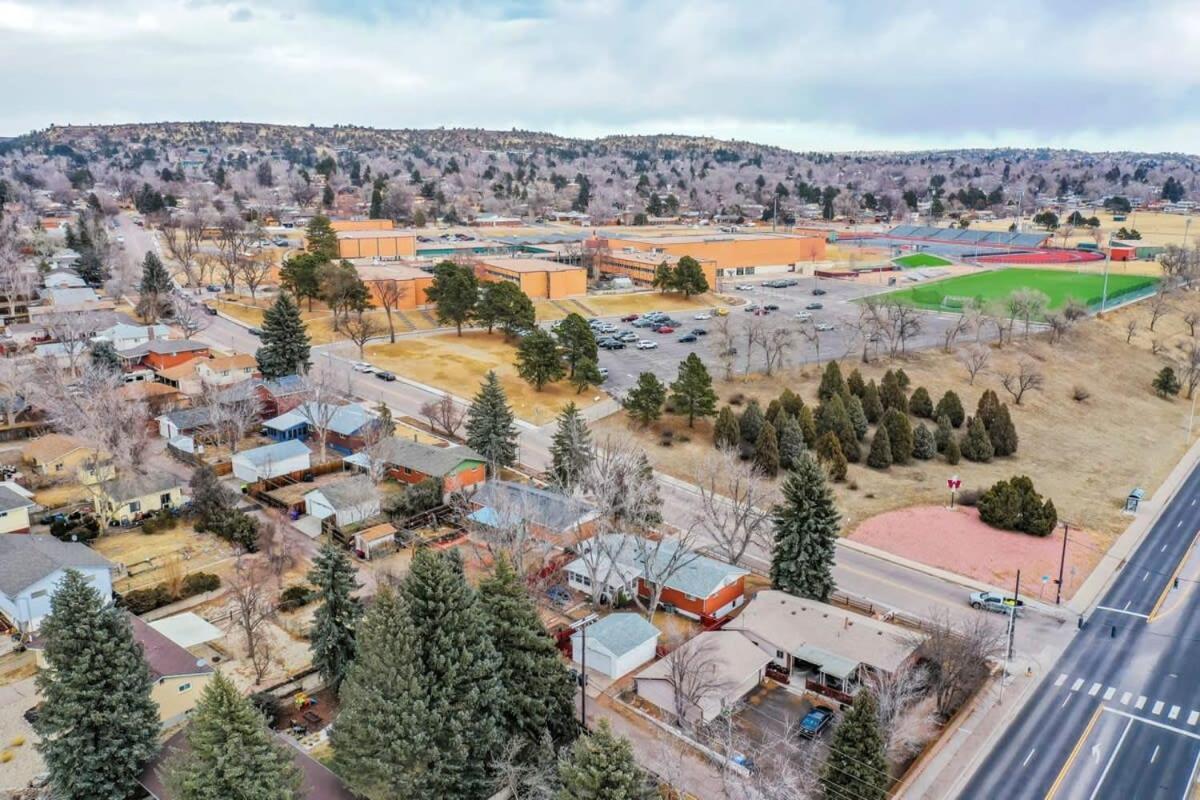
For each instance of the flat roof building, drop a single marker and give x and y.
(640, 266)
(376, 244)
(537, 277)
(412, 284)
(732, 253)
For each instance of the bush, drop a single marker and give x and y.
(140, 601)
(268, 705)
(1080, 393)
(976, 445)
(737, 399)
(295, 597)
(162, 520)
(968, 497)
(952, 453)
(924, 446)
(199, 583)
(951, 407)
(920, 404)
(1015, 505)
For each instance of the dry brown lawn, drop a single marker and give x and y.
(1085, 455)
(457, 365)
(62, 494)
(171, 554)
(1155, 228)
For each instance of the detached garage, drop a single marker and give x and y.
(271, 461)
(715, 671)
(616, 645)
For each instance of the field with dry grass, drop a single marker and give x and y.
(165, 556)
(1085, 454)
(1155, 228)
(457, 364)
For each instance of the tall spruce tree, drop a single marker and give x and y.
(858, 418)
(231, 752)
(766, 451)
(98, 725)
(920, 404)
(891, 394)
(1003, 432)
(538, 361)
(791, 402)
(857, 762)
(490, 428)
(791, 442)
(570, 449)
(383, 739)
(832, 382)
(538, 693)
(951, 407)
(154, 290)
(321, 239)
(577, 340)
(751, 422)
(872, 405)
(924, 445)
(855, 383)
(832, 417)
(727, 431)
(774, 408)
(975, 444)
(880, 455)
(332, 639)
(456, 292)
(806, 530)
(900, 435)
(692, 392)
(808, 426)
(943, 434)
(601, 766)
(285, 349)
(459, 675)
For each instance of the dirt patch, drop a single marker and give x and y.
(63, 494)
(157, 557)
(958, 541)
(457, 364)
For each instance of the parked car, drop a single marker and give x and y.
(603, 373)
(750, 309)
(611, 344)
(814, 306)
(212, 312)
(212, 287)
(771, 307)
(722, 312)
(646, 344)
(31, 714)
(384, 375)
(664, 329)
(703, 315)
(699, 332)
(643, 323)
(280, 242)
(255, 331)
(997, 602)
(818, 292)
(815, 721)
(629, 318)
(362, 366)
(628, 336)
(688, 338)
(823, 326)
(803, 316)
(744, 287)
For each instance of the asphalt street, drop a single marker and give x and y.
(1118, 716)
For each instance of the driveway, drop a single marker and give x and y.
(15, 699)
(771, 712)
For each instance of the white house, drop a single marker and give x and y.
(271, 461)
(123, 336)
(616, 645)
(348, 501)
(713, 670)
(14, 510)
(31, 568)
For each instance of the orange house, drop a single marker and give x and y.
(732, 253)
(537, 277)
(412, 284)
(410, 462)
(376, 244)
(159, 354)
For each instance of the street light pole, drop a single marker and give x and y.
(1104, 292)
(1062, 562)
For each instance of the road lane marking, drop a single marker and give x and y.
(1066, 700)
(1122, 611)
(1109, 692)
(1179, 524)
(1141, 702)
(1154, 755)
(1075, 686)
(1031, 752)
(1157, 612)
(1192, 717)
(1147, 575)
(1173, 713)
(1125, 698)
(1162, 549)
(1092, 691)
(1062, 773)
(1062, 678)
(1128, 603)
(1111, 759)
(1158, 707)
(1153, 722)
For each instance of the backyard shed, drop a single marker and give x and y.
(272, 461)
(617, 644)
(348, 501)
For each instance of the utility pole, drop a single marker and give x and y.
(582, 626)
(1104, 292)
(1062, 563)
(1012, 624)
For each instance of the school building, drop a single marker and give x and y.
(343, 225)
(376, 244)
(412, 284)
(538, 278)
(640, 266)
(731, 254)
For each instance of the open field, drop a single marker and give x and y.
(457, 364)
(641, 302)
(152, 558)
(917, 260)
(1086, 455)
(1156, 228)
(319, 322)
(958, 541)
(993, 285)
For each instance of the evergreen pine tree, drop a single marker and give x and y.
(943, 434)
(855, 383)
(154, 289)
(774, 408)
(952, 453)
(766, 451)
(104, 356)
(384, 734)
(321, 239)
(1003, 433)
(727, 432)
(490, 428)
(231, 752)
(459, 675)
(1166, 383)
(951, 408)
(924, 447)
(210, 500)
(829, 451)
(538, 361)
(832, 383)
(900, 435)
(791, 402)
(645, 400)
(692, 394)
(285, 348)
(858, 417)
(975, 444)
(751, 423)
(832, 417)
(902, 379)
(601, 766)
(808, 427)
(791, 442)
(806, 530)
(891, 395)
(920, 404)
(872, 405)
(880, 456)
(857, 762)
(98, 725)
(587, 373)
(332, 639)
(571, 448)
(988, 408)
(537, 689)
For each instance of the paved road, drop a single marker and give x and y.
(1118, 716)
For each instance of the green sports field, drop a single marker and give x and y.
(984, 287)
(917, 260)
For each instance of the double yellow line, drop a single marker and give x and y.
(1157, 612)
(1062, 774)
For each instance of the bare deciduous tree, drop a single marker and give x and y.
(974, 359)
(732, 498)
(253, 271)
(1159, 306)
(233, 237)
(233, 411)
(1191, 369)
(959, 656)
(390, 293)
(1027, 378)
(360, 328)
(1130, 329)
(187, 317)
(251, 611)
(444, 415)
(950, 335)
(73, 332)
(694, 673)
(1190, 319)
(182, 237)
(906, 722)
(322, 399)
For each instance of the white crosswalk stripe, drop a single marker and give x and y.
(1192, 717)
(1109, 692)
(1141, 702)
(1174, 712)
(1075, 686)
(1125, 698)
(1158, 707)
(1092, 691)
(1062, 678)
(1114, 695)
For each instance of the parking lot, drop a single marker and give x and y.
(838, 312)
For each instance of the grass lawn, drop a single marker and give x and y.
(916, 260)
(152, 558)
(1087, 287)
(61, 495)
(457, 365)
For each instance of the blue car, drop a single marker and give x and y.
(815, 721)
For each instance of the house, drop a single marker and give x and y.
(158, 397)
(187, 629)
(158, 354)
(125, 337)
(830, 648)
(547, 515)
(281, 395)
(272, 461)
(179, 677)
(616, 645)
(14, 511)
(63, 279)
(227, 370)
(57, 455)
(408, 461)
(30, 569)
(184, 377)
(347, 426)
(374, 540)
(185, 422)
(348, 501)
(132, 497)
(317, 782)
(693, 585)
(713, 671)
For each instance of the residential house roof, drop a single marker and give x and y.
(143, 390)
(125, 331)
(187, 629)
(180, 371)
(164, 347)
(621, 633)
(721, 662)
(281, 387)
(189, 419)
(836, 639)
(165, 658)
(425, 458)
(26, 559)
(350, 492)
(261, 456)
(10, 500)
(236, 361)
(504, 503)
(375, 533)
(70, 296)
(51, 447)
(131, 487)
(344, 420)
(691, 573)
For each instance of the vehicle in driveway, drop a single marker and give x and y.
(362, 366)
(823, 326)
(803, 316)
(699, 332)
(703, 315)
(688, 338)
(627, 336)
(993, 601)
(664, 329)
(815, 721)
(629, 318)
(646, 344)
(384, 375)
(255, 331)
(814, 306)
(818, 292)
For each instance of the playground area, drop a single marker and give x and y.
(956, 540)
(983, 287)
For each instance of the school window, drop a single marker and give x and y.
(779, 654)
(164, 499)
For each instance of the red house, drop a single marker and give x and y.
(412, 462)
(159, 354)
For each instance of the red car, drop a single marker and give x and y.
(664, 329)
(629, 318)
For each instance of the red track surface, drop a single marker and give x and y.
(1043, 257)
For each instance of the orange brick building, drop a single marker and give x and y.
(376, 244)
(640, 266)
(732, 254)
(412, 283)
(342, 225)
(538, 278)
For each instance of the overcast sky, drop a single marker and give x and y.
(840, 75)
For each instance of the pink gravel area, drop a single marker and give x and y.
(958, 541)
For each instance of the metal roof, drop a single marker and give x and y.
(621, 633)
(261, 456)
